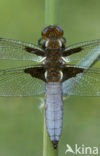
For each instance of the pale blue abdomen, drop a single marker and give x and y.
(54, 111)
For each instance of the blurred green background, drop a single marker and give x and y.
(21, 121)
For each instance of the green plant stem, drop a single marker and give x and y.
(48, 149)
(52, 12)
(51, 18)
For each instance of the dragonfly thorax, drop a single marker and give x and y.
(53, 75)
(53, 44)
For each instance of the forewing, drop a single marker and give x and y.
(17, 50)
(20, 82)
(83, 84)
(74, 53)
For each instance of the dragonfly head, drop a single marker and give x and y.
(52, 31)
(52, 37)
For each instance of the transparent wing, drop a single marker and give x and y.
(17, 50)
(74, 53)
(17, 82)
(83, 84)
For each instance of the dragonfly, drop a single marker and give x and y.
(55, 71)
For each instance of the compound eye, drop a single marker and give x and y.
(59, 31)
(45, 32)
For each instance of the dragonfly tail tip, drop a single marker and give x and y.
(55, 144)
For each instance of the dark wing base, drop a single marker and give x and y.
(37, 72)
(69, 72)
